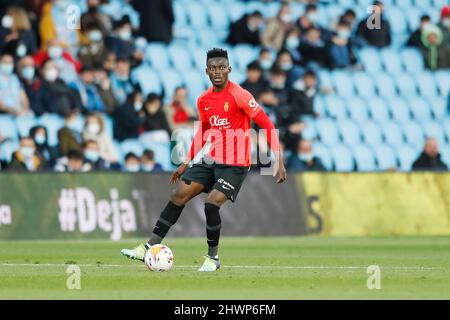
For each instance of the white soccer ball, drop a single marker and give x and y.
(159, 258)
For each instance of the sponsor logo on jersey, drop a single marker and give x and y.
(253, 104)
(216, 121)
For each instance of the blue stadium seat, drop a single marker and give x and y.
(180, 15)
(414, 135)
(244, 55)
(198, 17)
(343, 83)
(158, 56)
(378, 109)
(406, 155)
(438, 107)
(385, 85)
(404, 4)
(427, 86)
(238, 76)
(364, 84)
(271, 9)
(109, 124)
(131, 145)
(371, 133)
(327, 131)
(322, 152)
(413, 15)
(199, 57)
(364, 158)
(181, 60)
(218, 17)
(24, 124)
(393, 134)
(319, 105)
(325, 79)
(335, 107)
(53, 123)
(445, 155)
(170, 80)
(406, 85)
(420, 109)
(442, 79)
(391, 61)
(434, 130)
(397, 21)
(349, 132)
(255, 5)
(370, 59)
(386, 158)
(310, 132)
(194, 83)
(235, 9)
(147, 78)
(8, 128)
(446, 126)
(7, 149)
(358, 110)
(400, 110)
(334, 12)
(208, 38)
(412, 60)
(342, 158)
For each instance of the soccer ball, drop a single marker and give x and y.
(159, 258)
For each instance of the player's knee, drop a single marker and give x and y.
(180, 199)
(216, 199)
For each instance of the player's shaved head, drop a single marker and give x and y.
(216, 53)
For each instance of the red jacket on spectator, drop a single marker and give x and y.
(42, 55)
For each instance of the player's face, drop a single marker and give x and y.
(218, 69)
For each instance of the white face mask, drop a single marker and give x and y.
(7, 22)
(343, 34)
(95, 36)
(137, 106)
(125, 34)
(27, 152)
(51, 75)
(40, 139)
(21, 50)
(132, 167)
(286, 17)
(148, 167)
(6, 68)
(292, 42)
(93, 128)
(28, 73)
(306, 157)
(446, 22)
(55, 52)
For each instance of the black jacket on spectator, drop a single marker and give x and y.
(301, 103)
(127, 122)
(414, 39)
(240, 33)
(157, 18)
(58, 97)
(27, 38)
(157, 121)
(46, 153)
(254, 88)
(377, 37)
(121, 48)
(34, 94)
(295, 164)
(319, 54)
(425, 163)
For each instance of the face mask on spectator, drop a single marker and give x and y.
(55, 52)
(306, 157)
(72, 125)
(125, 34)
(277, 84)
(313, 17)
(292, 42)
(286, 17)
(265, 64)
(6, 68)
(286, 66)
(39, 139)
(446, 22)
(51, 75)
(93, 128)
(148, 167)
(27, 152)
(7, 21)
(62, 4)
(138, 106)
(132, 167)
(21, 50)
(95, 36)
(122, 77)
(343, 34)
(91, 155)
(28, 73)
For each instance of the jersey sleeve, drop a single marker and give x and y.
(200, 109)
(246, 102)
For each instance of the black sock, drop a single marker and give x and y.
(168, 217)
(213, 226)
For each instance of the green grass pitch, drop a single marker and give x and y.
(253, 268)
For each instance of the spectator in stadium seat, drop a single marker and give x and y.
(291, 44)
(276, 28)
(91, 151)
(246, 30)
(46, 153)
(435, 52)
(302, 95)
(430, 158)
(94, 129)
(304, 159)
(278, 84)
(254, 83)
(286, 63)
(16, 34)
(414, 39)
(121, 41)
(179, 113)
(53, 26)
(155, 118)
(57, 96)
(265, 60)
(444, 23)
(157, 19)
(310, 19)
(132, 163)
(73, 162)
(348, 16)
(368, 34)
(68, 66)
(13, 100)
(314, 50)
(94, 51)
(148, 163)
(120, 80)
(25, 159)
(104, 88)
(129, 117)
(340, 49)
(69, 137)
(94, 16)
(88, 91)
(31, 84)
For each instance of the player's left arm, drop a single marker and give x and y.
(248, 104)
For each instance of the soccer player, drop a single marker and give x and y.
(226, 111)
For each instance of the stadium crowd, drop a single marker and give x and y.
(46, 68)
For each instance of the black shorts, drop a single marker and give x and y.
(226, 179)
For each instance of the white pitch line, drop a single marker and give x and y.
(226, 267)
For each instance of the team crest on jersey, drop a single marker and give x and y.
(226, 106)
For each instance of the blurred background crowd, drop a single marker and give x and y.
(353, 85)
